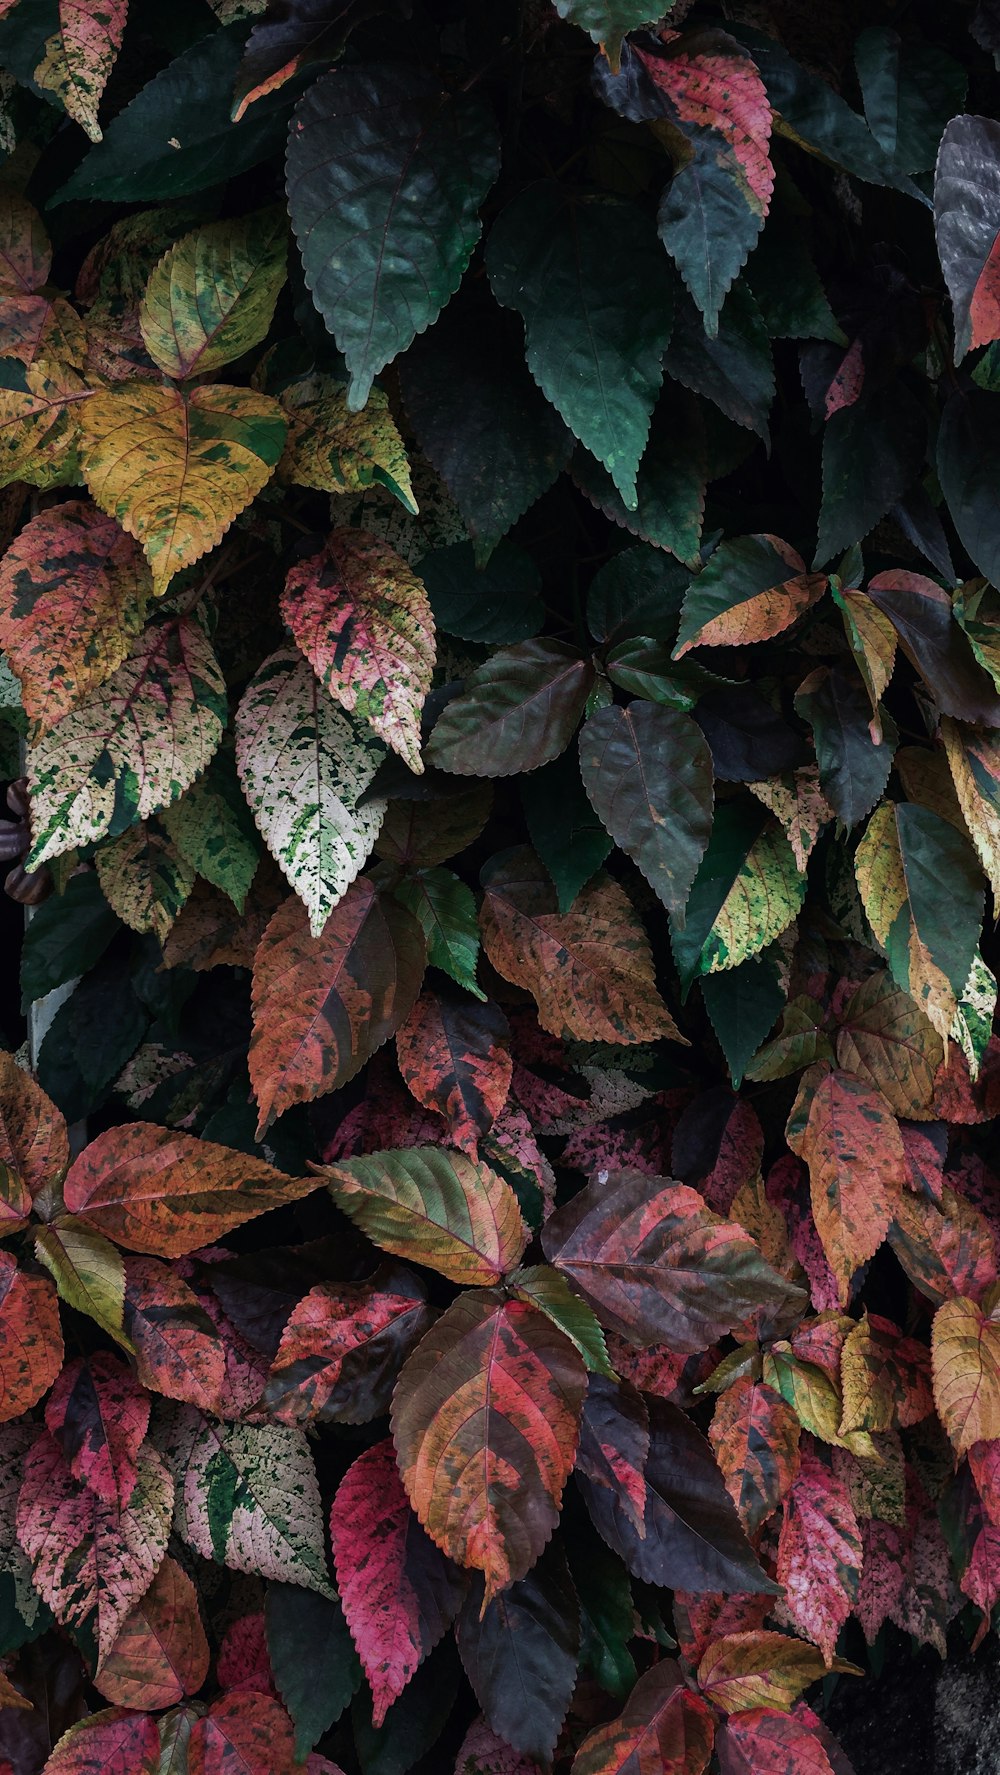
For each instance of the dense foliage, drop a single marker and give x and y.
(501, 692)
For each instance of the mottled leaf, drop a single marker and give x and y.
(517, 711)
(80, 55)
(664, 1726)
(34, 1146)
(760, 1669)
(755, 1438)
(747, 891)
(434, 1207)
(455, 1058)
(242, 1734)
(850, 1141)
(145, 879)
(338, 451)
(178, 1351)
(965, 1352)
(921, 614)
(212, 296)
(342, 1348)
(614, 1444)
(750, 589)
(161, 1653)
(819, 1554)
(763, 1741)
(884, 1040)
(99, 1417)
(31, 1345)
(112, 1740)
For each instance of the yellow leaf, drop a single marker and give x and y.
(212, 296)
(974, 760)
(88, 1272)
(965, 1359)
(338, 451)
(175, 467)
(39, 424)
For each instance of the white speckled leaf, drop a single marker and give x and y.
(248, 1497)
(131, 746)
(304, 765)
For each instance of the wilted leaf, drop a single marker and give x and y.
(212, 296)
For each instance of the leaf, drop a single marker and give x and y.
(363, 620)
(850, 1141)
(886, 1042)
(755, 1439)
(974, 762)
(482, 1752)
(67, 935)
(92, 1560)
(34, 1144)
(885, 1378)
(966, 222)
(178, 1351)
(965, 1353)
(31, 1346)
(744, 593)
(455, 1058)
(517, 711)
(211, 298)
(692, 1537)
(607, 21)
(670, 481)
(742, 1006)
(399, 1593)
(945, 1250)
(434, 1207)
(145, 879)
(73, 593)
(309, 31)
(614, 1445)
(657, 1265)
(88, 1272)
(765, 1742)
(418, 833)
(930, 939)
(853, 768)
(161, 1653)
(130, 746)
(25, 253)
(968, 448)
(546, 1289)
(921, 614)
(385, 175)
(648, 773)
(111, 1740)
(323, 1005)
(563, 827)
(99, 1417)
(747, 891)
(594, 337)
(747, 1670)
(819, 1554)
(872, 452)
(589, 970)
(664, 1725)
(315, 1667)
(490, 1400)
(212, 829)
(445, 910)
(735, 369)
(40, 422)
(305, 767)
(79, 57)
(166, 1193)
(910, 91)
(872, 641)
(242, 1732)
(176, 466)
(520, 1653)
(338, 451)
(342, 1348)
(248, 1498)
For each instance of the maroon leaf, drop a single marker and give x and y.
(455, 1057)
(178, 1351)
(518, 711)
(763, 1741)
(614, 1444)
(343, 1346)
(520, 1654)
(665, 1728)
(99, 1417)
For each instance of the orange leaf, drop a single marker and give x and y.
(31, 1345)
(161, 1653)
(851, 1143)
(664, 1728)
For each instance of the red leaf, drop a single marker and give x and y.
(485, 1420)
(177, 1348)
(455, 1058)
(883, 1575)
(945, 1249)
(323, 1005)
(99, 1417)
(399, 1592)
(819, 1554)
(242, 1734)
(161, 1653)
(34, 1143)
(109, 1743)
(664, 1727)
(755, 1436)
(850, 1141)
(764, 1742)
(31, 1345)
(343, 1346)
(244, 1661)
(699, 1620)
(657, 1266)
(721, 91)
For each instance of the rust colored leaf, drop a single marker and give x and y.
(322, 1005)
(178, 1351)
(885, 1377)
(851, 1143)
(434, 1207)
(112, 1742)
(161, 1653)
(33, 1139)
(765, 1742)
(99, 1417)
(664, 1727)
(819, 1554)
(485, 1419)
(755, 1436)
(945, 1248)
(343, 1346)
(455, 1057)
(31, 1345)
(885, 1041)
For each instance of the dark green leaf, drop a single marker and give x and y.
(637, 592)
(517, 711)
(607, 1614)
(853, 770)
(872, 451)
(414, 1722)
(787, 287)
(909, 90)
(737, 826)
(670, 486)
(968, 465)
(67, 934)
(89, 1040)
(563, 826)
(734, 370)
(498, 602)
(743, 1006)
(316, 1668)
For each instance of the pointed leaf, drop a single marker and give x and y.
(974, 761)
(819, 1554)
(520, 1653)
(545, 1288)
(657, 1265)
(166, 1193)
(145, 879)
(886, 1042)
(670, 482)
(755, 1438)
(363, 620)
(113, 1740)
(31, 1345)
(765, 1742)
(212, 296)
(212, 829)
(305, 32)
(73, 593)
(25, 253)
(342, 1348)
(178, 1351)
(131, 745)
(921, 614)
(614, 1444)
(338, 451)
(759, 1669)
(323, 1005)
(161, 1653)
(853, 768)
(176, 466)
(99, 1417)
(747, 891)
(966, 222)
(445, 909)
(80, 55)
(88, 1272)
(664, 1726)
(242, 1734)
(455, 1058)
(385, 175)
(850, 1141)
(750, 589)
(965, 1351)
(400, 1594)
(607, 21)
(304, 767)
(315, 1667)
(517, 711)
(34, 1144)
(434, 1207)
(485, 1420)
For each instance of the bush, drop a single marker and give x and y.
(501, 686)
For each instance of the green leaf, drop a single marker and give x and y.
(498, 602)
(316, 1669)
(596, 323)
(787, 287)
(648, 773)
(607, 1617)
(212, 297)
(743, 1007)
(563, 827)
(414, 1723)
(67, 934)
(670, 485)
(910, 89)
(637, 592)
(751, 589)
(212, 828)
(735, 369)
(853, 769)
(386, 173)
(872, 452)
(543, 1287)
(187, 103)
(90, 1038)
(745, 894)
(517, 711)
(446, 912)
(607, 21)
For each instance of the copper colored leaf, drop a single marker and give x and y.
(33, 1140)
(242, 1734)
(342, 1348)
(362, 618)
(99, 1417)
(965, 1352)
(755, 1437)
(434, 1207)
(657, 1265)
(485, 1420)
(589, 970)
(212, 296)
(166, 1193)
(399, 1592)
(517, 711)
(455, 1058)
(750, 589)
(946, 1248)
(112, 1742)
(851, 1143)
(323, 1005)
(161, 1653)
(765, 1742)
(92, 1562)
(176, 466)
(80, 55)
(887, 1042)
(819, 1554)
(73, 592)
(614, 1444)
(31, 1345)
(178, 1351)
(664, 1727)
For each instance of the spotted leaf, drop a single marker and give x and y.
(755, 1437)
(31, 1345)
(212, 296)
(851, 1143)
(99, 1417)
(112, 1742)
(80, 55)
(455, 1058)
(819, 1554)
(242, 1734)
(965, 1352)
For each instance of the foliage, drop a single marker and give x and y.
(500, 683)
